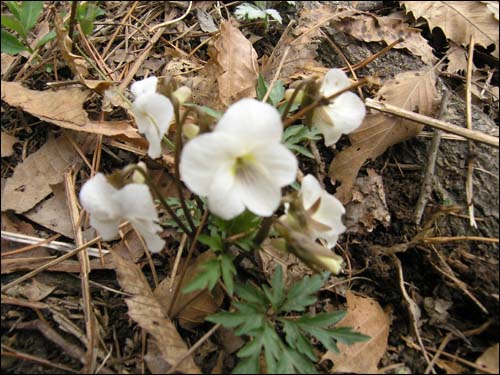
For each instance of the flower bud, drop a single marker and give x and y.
(190, 130)
(182, 94)
(137, 176)
(298, 98)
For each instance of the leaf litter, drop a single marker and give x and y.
(231, 73)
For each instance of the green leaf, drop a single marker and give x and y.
(347, 335)
(292, 362)
(10, 44)
(250, 294)
(30, 10)
(248, 11)
(228, 272)
(248, 318)
(261, 87)
(274, 14)
(244, 222)
(207, 277)
(14, 8)
(291, 131)
(277, 293)
(302, 294)
(13, 23)
(46, 38)
(323, 319)
(87, 26)
(301, 150)
(249, 365)
(296, 340)
(214, 242)
(277, 93)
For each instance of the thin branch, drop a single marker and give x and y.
(426, 120)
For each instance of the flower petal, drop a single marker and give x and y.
(334, 81)
(259, 192)
(107, 229)
(153, 113)
(145, 86)
(347, 112)
(310, 190)
(136, 202)
(202, 157)
(224, 199)
(138, 207)
(96, 197)
(148, 230)
(279, 161)
(253, 121)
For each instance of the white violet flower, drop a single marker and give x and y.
(153, 113)
(344, 114)
(328, 214)
(242, 163)
(107, 206)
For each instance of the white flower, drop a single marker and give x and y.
(328, 214)
(344, 114)
(241, 164)
(153, 113)
(108, 206)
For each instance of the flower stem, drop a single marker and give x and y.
(186, 263)
(292, 98)
(324, 101)
(177, 154)
(152, 185)
(265, 227)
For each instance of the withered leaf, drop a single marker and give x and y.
(371, 28)
(413, 91)
(63, 108)
(459, 20)
(367, 317)
(145, 309)
(32, 178)
(7, 142)
(190, 308)
(238, 62)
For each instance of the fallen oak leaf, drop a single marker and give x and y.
(409, 90)
(365, 316)
(146, 310)
(63, 108)
(459, 20)
(238, 62)
(31, 180)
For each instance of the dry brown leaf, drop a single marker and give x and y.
(7, 142)
(53, 213)
(32, 178)
(368, 207)
(489, 360)
(371, 28)
(367, 317)
(147, 311)
(459, 20)
(76, 63)
(302, 44)
(63, 108)
(413, 91)
(34, 290)
(457, 57)
(205, 85)
(191, 308)
(6, 63)
(238, 62)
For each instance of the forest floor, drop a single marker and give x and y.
(426, 292)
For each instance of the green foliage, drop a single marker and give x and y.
(275, 96)
(175, 203)
(294, 135)
(248, 11)
(264, 313)
(22, 20)
(86, 13)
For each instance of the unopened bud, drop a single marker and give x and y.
(182, 94)
(298, 97)
(137, 176)
(190, 130)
